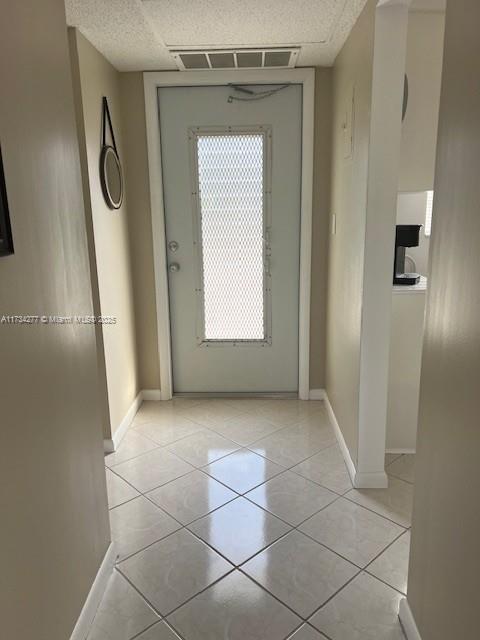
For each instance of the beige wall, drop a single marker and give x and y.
(140, 226)
(54, 530)
(419, 129)
(443, 590)
(136, 163)
(110, 229)
(352, 77)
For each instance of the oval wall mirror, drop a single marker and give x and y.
(111, 177)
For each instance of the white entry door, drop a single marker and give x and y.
(232, 183)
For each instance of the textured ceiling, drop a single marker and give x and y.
(136, 34)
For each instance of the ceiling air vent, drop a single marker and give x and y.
(235, 58)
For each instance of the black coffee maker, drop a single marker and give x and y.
(407, 235)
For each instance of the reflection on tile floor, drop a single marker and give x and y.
(307, 632)
(236, 519)
(239, 530)
(235, 609)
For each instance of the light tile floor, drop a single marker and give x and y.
(235, 519)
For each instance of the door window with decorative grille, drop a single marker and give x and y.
(231, 193)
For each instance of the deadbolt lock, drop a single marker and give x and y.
(173, 246)
(174, 267)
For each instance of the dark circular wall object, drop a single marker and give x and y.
(111, 177)
(405, 97)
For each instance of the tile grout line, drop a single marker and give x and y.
(165, 617)
(238, 495)
(375, 512)
(387, 547)
(372, 575)
(310, 625)
(303, 618)
(135, 428)
(244, 495)
(210, 429)
(324, 604)
(240, 568)
(137, 635)
(270, 544)
(234, 568)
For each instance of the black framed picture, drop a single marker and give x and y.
(6, 242)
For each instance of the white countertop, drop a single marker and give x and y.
(420, 287)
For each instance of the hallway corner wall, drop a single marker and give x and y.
(443, 593)
(110, 241)
(352, 96)
(53, 502)
(140, 226)
(424, 72)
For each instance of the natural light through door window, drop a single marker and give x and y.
(428, 213)
(231, 230)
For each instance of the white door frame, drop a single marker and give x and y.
(152, 81)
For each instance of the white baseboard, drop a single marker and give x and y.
(111, 444)
(400, 451)
(341, 440)
(95, 595)
(376, 480)
(359, 480)
(408, 621)
(108, 445)
(316, 394)
(151, 394)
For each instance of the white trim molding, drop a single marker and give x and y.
(352, 472)
(111, 444)
(152, 81)
(95, 595)
(359, 480)
(108, 445)
(371, 480)
(408, 621)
